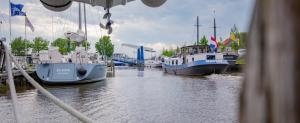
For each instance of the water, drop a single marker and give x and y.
(135, 97)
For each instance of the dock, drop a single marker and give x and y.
(16, 73)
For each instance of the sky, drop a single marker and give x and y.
(169, 26)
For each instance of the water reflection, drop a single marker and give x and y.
(152, 97)
(141, 71)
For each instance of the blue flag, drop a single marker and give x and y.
(16, 10)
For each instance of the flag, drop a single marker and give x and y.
(28, 24)
(232, 37)
(16, 10)
(214, 40)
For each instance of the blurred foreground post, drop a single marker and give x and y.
(271, 91)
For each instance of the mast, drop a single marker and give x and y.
(79, 19)
(215, 26)
(197, 30)
(85, 29)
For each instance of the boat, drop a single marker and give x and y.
(153, 63)
(76, 68)
(82, 67)
(195, 60)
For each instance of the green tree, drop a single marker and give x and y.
(39, 44)
(234, 30)
(222, 47)
(234, 46)
(177, 50)
(86, 45)
(203, 41)
(243, 37)
(168, 53)
(20, 46)
(65, 46)
(104, 46)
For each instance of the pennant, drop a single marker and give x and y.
(16, 10)
(28, 24)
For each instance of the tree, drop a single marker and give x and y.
(65, 46)
(234, 46)
(168, 53)
(243, 36)
(235, 31)
(39, 44)
(204, 41)
(177, 50)
(222, 47)
(19, 46)
(104, 46)
(86, 45)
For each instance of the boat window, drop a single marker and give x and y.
(211, 57)
(193, 59)
(176, 62)
(172, 62)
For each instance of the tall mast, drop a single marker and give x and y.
(79, 19)
(85, 29)
(215, 26)
(197, 30)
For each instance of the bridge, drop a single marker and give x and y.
(123, 59)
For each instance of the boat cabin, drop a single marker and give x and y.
(194, 54)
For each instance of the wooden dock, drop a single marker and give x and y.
(16, 73)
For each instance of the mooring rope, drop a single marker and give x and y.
(11, 84)
(58, 102)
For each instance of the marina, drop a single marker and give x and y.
(136, 96)
(84, 61)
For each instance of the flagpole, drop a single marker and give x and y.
(25, 35)
(25, 27)
(9, 1)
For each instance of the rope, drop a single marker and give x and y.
(11, 83)
(58, 102)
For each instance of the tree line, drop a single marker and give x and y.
(21, 46)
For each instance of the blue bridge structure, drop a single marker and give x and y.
(122, 59)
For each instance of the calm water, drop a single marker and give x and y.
(136, 97)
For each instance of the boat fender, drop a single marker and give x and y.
(81, 71)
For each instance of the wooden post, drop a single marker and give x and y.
(271, 89)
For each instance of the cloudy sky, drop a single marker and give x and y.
(171, 25)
